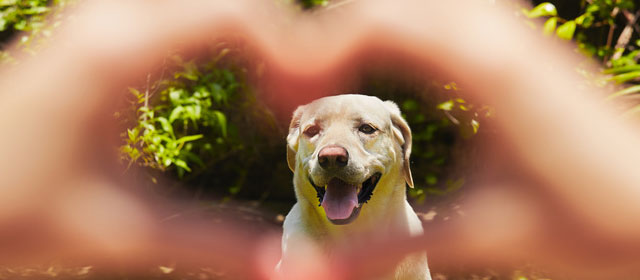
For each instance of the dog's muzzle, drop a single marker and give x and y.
(342, 201)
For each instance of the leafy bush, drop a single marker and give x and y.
(203, 123)
(605, 30)
(36, 19)
(443, 125)
(188, 105)
(22, 15)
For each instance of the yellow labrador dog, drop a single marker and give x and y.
(350, 158)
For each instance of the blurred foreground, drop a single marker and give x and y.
(562, 192)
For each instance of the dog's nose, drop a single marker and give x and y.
(333, 156)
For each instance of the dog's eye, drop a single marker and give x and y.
(366, 129)
(312, 131)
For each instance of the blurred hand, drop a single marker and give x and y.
(55, 111)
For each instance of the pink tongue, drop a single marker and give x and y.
(339, 200)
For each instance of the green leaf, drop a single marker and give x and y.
(134, 154)
(222, 121)
(166, 126)
(190, 71)
(475, 125)
(550, 26)
(139, 95)
(36, 10)
(165, 138)
(193, 157)
(8, 2)
(172, 147)
(217, 92)
(446, 106)
(190, 112)
(133, 134)
(174, 95)
(626, 91)
(585, 20)
(451, 86)
(621, 78)
(543, 10)
(21, 25)
(155, 139)
(593, 8)
(625, 4)
(622, 69)
(175, 113)
(197, 112)
(201, 92)
(182, 164)
(189, 138)
(566, 30)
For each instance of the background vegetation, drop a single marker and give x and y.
(201, 127)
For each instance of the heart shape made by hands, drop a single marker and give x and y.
(109, 45)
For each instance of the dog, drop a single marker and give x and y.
(350, 159)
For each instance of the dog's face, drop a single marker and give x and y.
(343, 146)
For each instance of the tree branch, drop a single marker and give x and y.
(625, 36)
(612, 28)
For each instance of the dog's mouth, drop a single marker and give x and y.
(342, 201)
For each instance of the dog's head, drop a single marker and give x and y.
(343, 146)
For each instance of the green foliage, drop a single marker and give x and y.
(436, 133)
(543, 10)
(22, 15)
(169, 126)
(444, 128)
(204, 126)
(595, 15)
(566, 30)
(606, 30)
(35, 20)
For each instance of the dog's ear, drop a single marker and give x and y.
(402, 133)
(292, 138)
